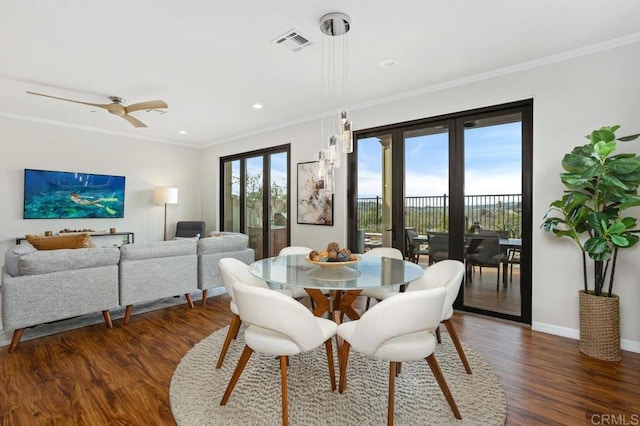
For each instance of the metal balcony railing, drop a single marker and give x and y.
(431, 213)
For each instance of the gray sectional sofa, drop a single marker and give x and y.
(151, 271)
(40, 286)
(211, 250)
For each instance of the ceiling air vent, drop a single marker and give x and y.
(292, 40)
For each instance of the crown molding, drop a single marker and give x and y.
(497, 72)
(91, 129)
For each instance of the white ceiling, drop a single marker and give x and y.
(212, 60)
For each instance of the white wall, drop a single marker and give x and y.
(304, 144)
(571, 98)
(144, 164)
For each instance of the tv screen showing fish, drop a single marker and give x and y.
(72, 195)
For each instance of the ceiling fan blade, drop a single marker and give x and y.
(147, 105)
(133, 120)
(105, 106)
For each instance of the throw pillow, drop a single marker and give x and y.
(71, 241)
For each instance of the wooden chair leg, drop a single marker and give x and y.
(332, 371)
(189, 301)
(127, 314)
(456, 342)
(17, 335)
(284, 362)
(107, 318)
(342, 363)
(435, 369)
(392, 390)
(398, 368)
(231, 334)
(438, 335)
(204, 297)
(242, 362)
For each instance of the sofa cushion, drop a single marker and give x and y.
(55, 242)
(46, 261)
(157, 249)
(13, 255)
(223, 243)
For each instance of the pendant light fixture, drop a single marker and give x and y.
(337, 137)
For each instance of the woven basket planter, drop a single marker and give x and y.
(600, 326)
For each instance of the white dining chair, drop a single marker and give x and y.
(298, 292)
(233, 270)
(278, 326)
(383, 292)
(448, 274)
(397, 329)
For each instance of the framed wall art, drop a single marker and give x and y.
(315, 205)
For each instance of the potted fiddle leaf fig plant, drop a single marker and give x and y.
(601, 185)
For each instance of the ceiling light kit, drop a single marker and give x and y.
(337, 136)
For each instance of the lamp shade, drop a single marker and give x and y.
(165, 195)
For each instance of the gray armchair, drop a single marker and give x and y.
(187, 229)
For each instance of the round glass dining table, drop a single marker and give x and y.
(344, 282)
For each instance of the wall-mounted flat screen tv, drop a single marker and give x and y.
(72, 195)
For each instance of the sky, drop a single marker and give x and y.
(492, 163)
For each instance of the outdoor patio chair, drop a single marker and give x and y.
(489, 255)
(414, 245)
(438, 246)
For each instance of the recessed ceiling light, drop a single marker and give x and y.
(183, 132)
(256, 106)
(388, 63)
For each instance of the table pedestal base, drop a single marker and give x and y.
(338, 304)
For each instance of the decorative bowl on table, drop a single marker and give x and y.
(332, 264)
(332, 257)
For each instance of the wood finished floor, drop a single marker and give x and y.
(480, 291)
(96, 376)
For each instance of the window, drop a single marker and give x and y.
(254, 198)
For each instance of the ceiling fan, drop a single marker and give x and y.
(116, 107)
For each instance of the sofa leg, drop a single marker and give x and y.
(204, 297)
(17, 334)
(107, 318)
(189, 301)
(127, 314)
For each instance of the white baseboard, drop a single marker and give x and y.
(572, 333)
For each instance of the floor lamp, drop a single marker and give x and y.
(165, 195)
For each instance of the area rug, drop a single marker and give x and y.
(197, 387)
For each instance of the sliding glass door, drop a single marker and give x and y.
(493, 211)
(453, 187)
(374, 221)
(255, 198)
